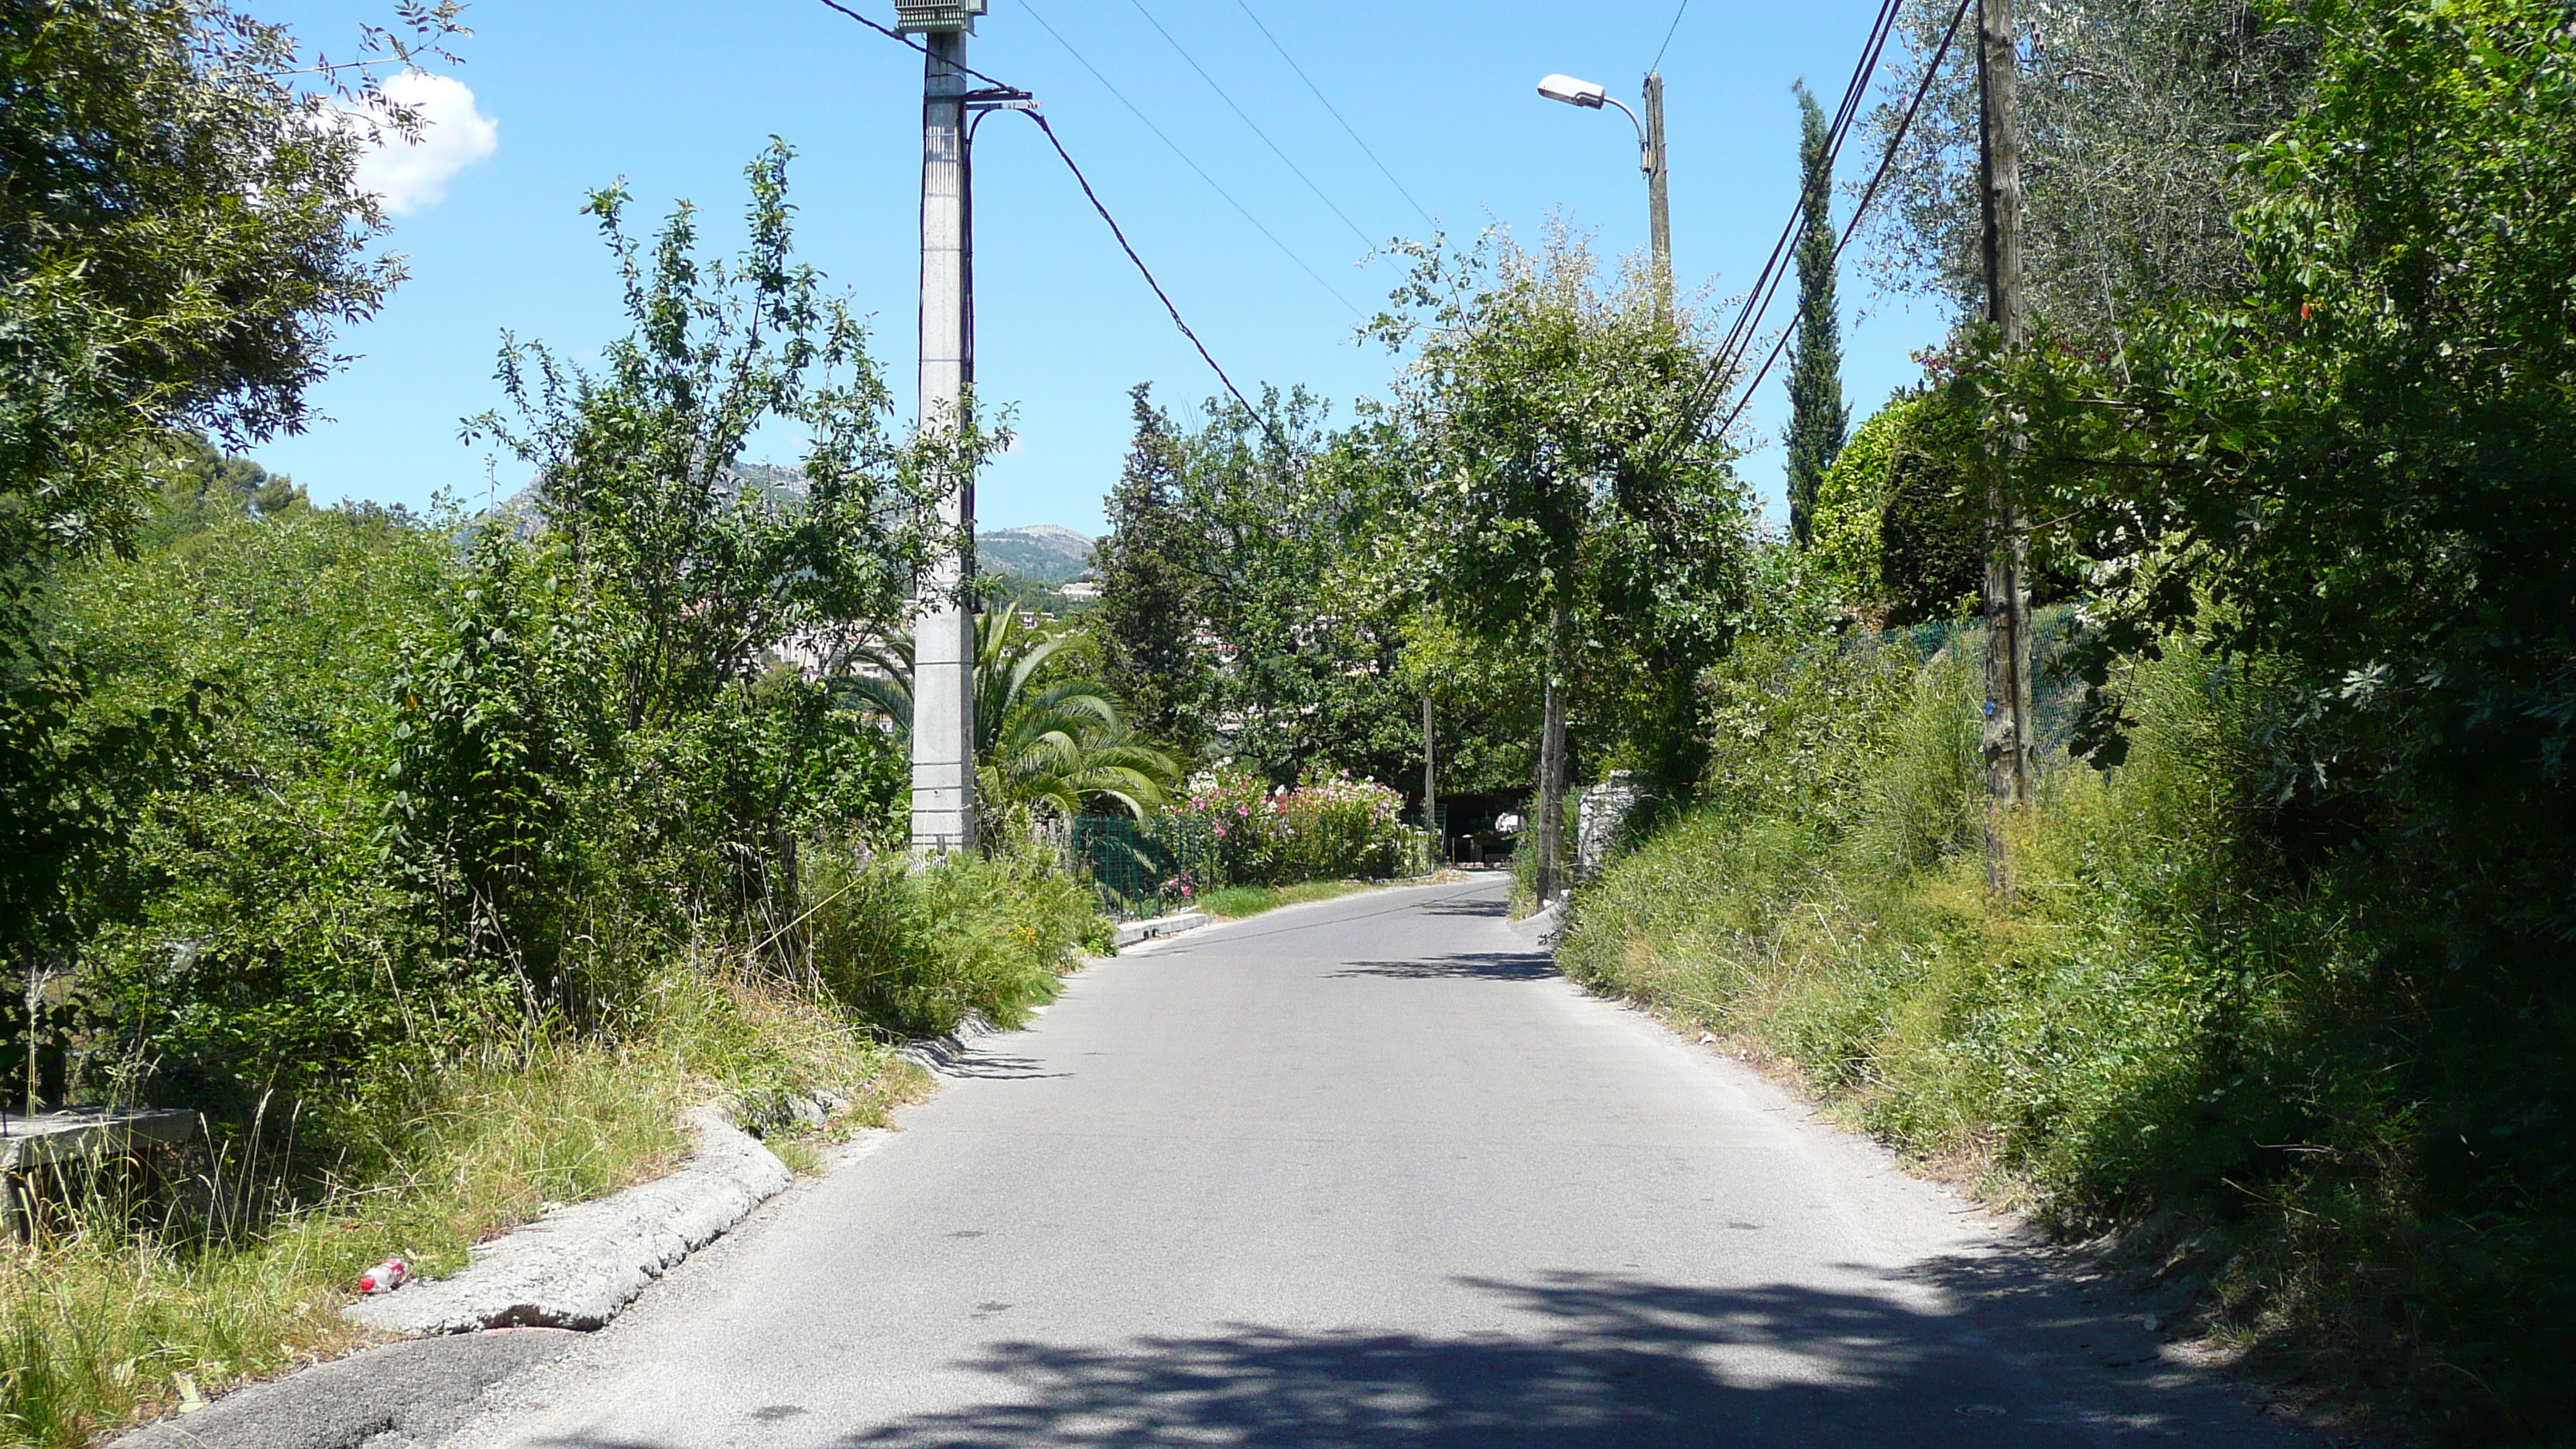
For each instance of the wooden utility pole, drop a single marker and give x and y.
(1658, 204)
(2007, 738)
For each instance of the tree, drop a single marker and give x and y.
(1233, 575)
(2360, 470)
(640, 470)
(1561, 477)
(2133, 114)
(2352, 486)
(180, 235)
(1046, 734)
(597, 726)
(1817, 416)
(1149, 571)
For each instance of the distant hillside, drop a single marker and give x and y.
(1042, 553)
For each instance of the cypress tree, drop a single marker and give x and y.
(1148, 614)
(1817, 415)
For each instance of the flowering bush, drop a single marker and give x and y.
(1329, 827)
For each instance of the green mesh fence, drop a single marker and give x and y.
(2053, 700)
(1142, 870)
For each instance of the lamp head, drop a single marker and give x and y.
(1573, 92)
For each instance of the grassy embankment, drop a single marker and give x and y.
(2163, 1031)
(107, 1320)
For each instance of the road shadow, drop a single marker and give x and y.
(1596, 1361)
(1481, 966)
(1490, 907)
(997, 1065)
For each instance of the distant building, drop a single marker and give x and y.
(1080, 591)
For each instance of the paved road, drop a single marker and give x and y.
(1364, 1173)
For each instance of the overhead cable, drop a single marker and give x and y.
(1327, 104)
(1668, 37)
(1114, 229)
(1148, 274)
(1757, 302)
(1186, 161)
(1885, 161)
(1365, 239)
(1741, 335)
(899, 38)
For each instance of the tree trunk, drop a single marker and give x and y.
(1551, 767)
(1430, 788)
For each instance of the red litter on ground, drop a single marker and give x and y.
(385, 1277)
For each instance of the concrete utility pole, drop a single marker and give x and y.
(1658, 204)
(943, 662)
(2007, 739)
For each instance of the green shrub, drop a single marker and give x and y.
(914, 949)
(1849, 500)
(1330, 827)
(1932, 549)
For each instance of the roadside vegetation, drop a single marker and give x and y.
(2270, 981)
(440, 860)
(440, 864)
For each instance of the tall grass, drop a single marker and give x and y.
(916, 949)
(2163, 1029)
(106, 1319)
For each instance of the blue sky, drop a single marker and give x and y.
(676, 98)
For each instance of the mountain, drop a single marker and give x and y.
(1041, 552)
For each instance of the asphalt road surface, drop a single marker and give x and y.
(1365, 1173)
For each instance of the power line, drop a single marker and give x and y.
(1148, 274)
(1668, 36)
(1337, 115)
(1758, 301)
(1740, 334)
(1884, 162)
(1365, 239)
(899, 38)
(1185, 159)
(1114, 229)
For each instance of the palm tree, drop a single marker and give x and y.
(1057, 741)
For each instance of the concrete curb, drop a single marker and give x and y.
(577, 1266)
(407, 1395)
(1171, 925)
(1539, 926)
(938, 1052)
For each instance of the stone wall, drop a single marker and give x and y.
(1603, 810)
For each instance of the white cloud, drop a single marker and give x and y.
(411, 172)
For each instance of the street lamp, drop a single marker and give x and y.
(1592, 96)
